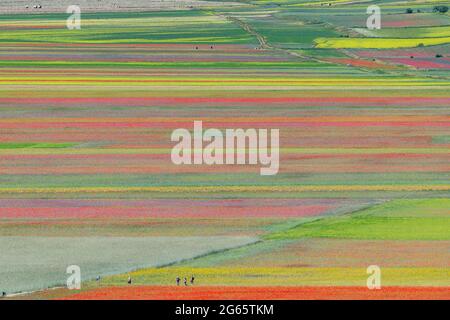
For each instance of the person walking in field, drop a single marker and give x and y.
(192, 280)
(178, 281)
(129, 280)
(185, 281)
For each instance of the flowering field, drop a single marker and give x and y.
(86, 118)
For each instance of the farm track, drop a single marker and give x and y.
(264, 44)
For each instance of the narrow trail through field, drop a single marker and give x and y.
(264, 44)
(244, 25)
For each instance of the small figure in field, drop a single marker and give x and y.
(129, 280)
(185, 281)
(192, 280)
(178, 281)
(3, 294)
(98, 278)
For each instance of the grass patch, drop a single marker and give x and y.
(412, 208)
(383, 228)
(166, 27)
(426, 219)
(441, 140)
(23, 145)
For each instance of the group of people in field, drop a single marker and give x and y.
(185, 281)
